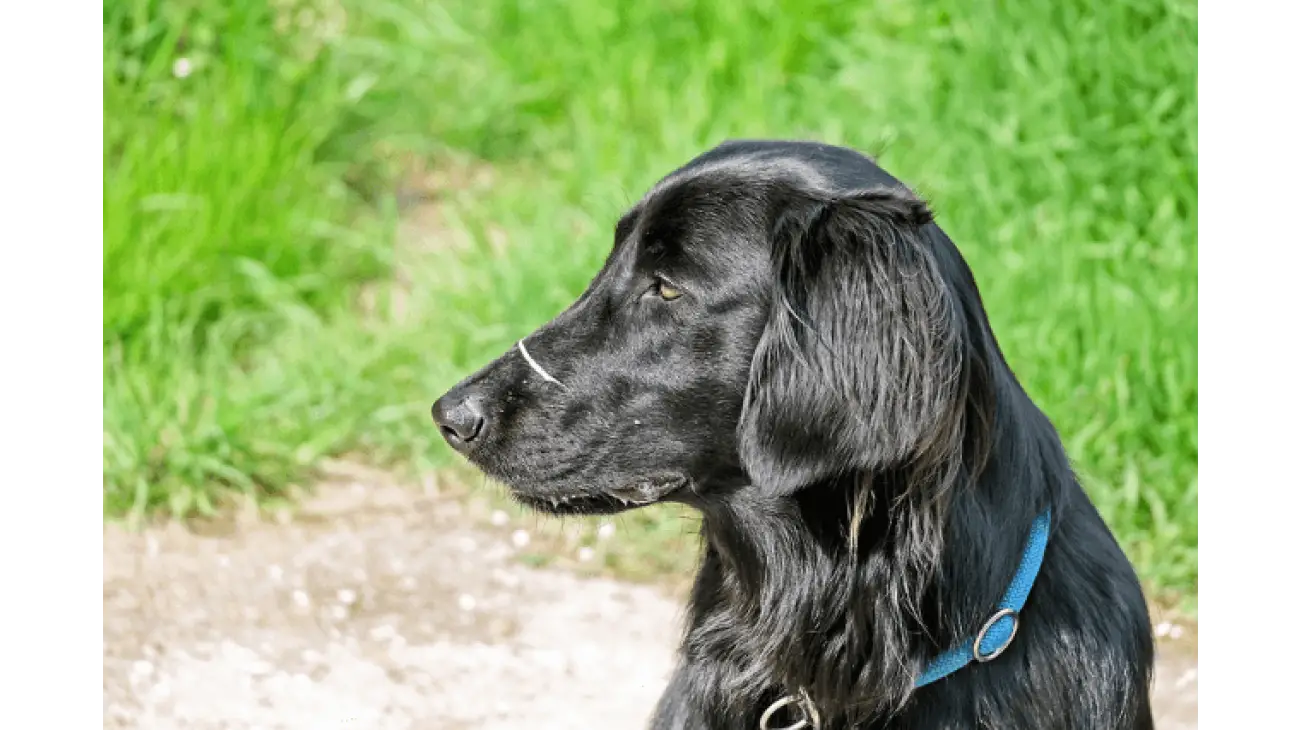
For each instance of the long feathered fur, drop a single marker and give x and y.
(827, 391)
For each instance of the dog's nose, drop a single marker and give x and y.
(460, 419)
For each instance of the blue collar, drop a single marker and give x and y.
(1000, 629)
(993, 638)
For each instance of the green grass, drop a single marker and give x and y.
(250, 203)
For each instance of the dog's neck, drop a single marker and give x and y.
(846, 588)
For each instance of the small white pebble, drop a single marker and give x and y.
(1187, 678)
(223, 561)
(383, 632)
(338, 612)
(550, 659)
(160, 691)
(500, 518)
(408, 583)
(505, 578)
(467, 545)
(519, 538)
(347, 596)
(1163, 628)
(259, 667)
(585, 554)
(301, 599)
(151, 546)
(605, 531)
(466, 602)
(276, 573)
(142, 668)
(1175, 631)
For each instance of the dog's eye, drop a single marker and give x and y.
(665, 290)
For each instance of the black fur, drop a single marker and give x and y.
(827, 392)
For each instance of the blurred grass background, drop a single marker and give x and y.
(320, 214)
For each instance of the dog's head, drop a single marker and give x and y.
(771, 315)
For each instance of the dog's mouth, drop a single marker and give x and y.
(640, 493)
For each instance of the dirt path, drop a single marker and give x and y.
(378, 609)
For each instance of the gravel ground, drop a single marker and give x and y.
(378, 608)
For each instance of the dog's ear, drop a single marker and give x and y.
(860, 364)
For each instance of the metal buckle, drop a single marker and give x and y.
(810, 718)
(979, 638)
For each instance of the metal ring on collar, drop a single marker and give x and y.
(810, 717)
(979, 638)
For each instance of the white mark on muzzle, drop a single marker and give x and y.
(533, 364)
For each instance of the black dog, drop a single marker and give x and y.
(783, 339)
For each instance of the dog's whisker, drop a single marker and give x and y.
(535, 366)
